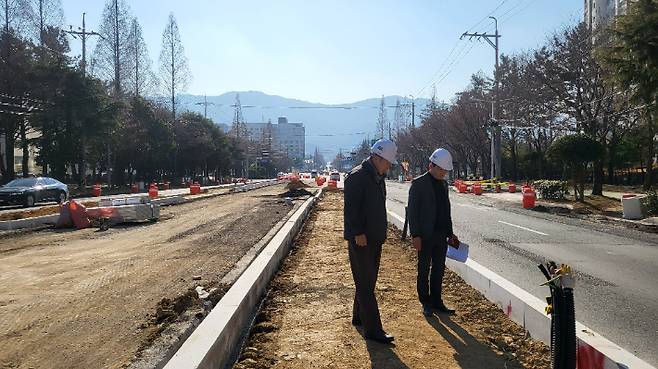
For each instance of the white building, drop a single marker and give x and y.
(287, 138)
(600, 12)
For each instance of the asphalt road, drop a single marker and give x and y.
(616, 268)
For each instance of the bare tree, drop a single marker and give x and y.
(110, 56)
(15, 15)
(46, 13)
(140, 79)
(381, 119)
(174, 71)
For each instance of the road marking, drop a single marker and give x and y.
(401, 219)
(524, 228)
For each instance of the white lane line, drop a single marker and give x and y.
(401, 219)
(524, 228)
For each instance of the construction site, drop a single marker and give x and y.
(93, 299)
(256, 275)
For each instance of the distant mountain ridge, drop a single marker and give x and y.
(329, 127)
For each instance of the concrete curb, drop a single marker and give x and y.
(34, 222)
(594, 351)
(216, 340)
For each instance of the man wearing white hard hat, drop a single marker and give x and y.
(430, 225)
(365, 231)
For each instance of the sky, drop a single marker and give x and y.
(338, 51)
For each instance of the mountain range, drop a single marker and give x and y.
(329, 127)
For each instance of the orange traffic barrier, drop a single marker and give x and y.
(153, 191)
(497, 188)
(529, 198)
(195, 188)
(477, 189)
(96, 190)
(511, 188)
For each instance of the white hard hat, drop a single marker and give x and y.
(442, 158)
(385, 148)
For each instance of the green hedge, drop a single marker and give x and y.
(555, 190)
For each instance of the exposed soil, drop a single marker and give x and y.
(296, 184)
(305, 319)
(89, 299)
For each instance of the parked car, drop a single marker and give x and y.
(335, 176)
(28, 191)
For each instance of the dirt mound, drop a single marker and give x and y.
(299, 192)
(296, 184)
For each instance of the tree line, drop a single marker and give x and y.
(602, 85)
(98, 119)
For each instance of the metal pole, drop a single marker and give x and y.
(497, 132)
(84, 47)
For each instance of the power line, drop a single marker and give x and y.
(487, 16)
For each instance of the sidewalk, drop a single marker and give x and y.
(305, 320)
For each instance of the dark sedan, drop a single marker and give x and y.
(28, 191)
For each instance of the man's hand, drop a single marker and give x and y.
(361, 240)
(418, 243)
(454, 241)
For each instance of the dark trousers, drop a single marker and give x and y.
(431, 266)
(364, 262)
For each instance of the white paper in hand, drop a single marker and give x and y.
(460, 254)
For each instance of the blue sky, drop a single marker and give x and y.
(338, 51)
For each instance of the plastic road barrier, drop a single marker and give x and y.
(153, 191)
(529, 198)
(96, 190)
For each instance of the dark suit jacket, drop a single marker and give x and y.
(365, 204)
(422, 211)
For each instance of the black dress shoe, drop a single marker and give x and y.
(356, 322)
(440, 308)
(384, 338)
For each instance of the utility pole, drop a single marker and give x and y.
(82, 33)
(205, 104)
(496, 155)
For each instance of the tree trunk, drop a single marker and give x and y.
(25, 149)
(612, 152)
(650, 149)
(10, 142)
(82, 163)
(597, 183)
(515, 164)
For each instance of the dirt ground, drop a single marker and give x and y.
(305, 320)
(89, 299)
